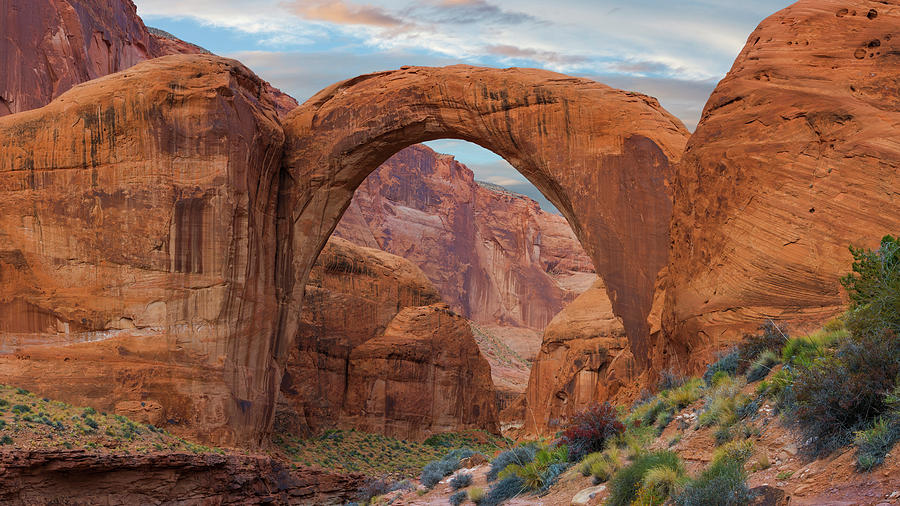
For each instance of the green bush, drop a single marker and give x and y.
(727, 363)
(686, 394)
(762, 366)
(535, 474)
(874, 289)
(721, 484)
(771, 338)
(626, 483)
(845, 390)
(434, 472)
(520, 455)
(476, 495)
(873, 444)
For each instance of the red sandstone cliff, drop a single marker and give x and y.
(48, 46)
(795, 158)
(495, 256)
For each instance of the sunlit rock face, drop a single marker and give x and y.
(495, 256)
(136, 223)
(795, 158)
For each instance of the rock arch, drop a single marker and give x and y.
(602, 156)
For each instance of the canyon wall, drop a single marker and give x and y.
(136, 224)
(49, 46)
(495, 256)
(795, 158)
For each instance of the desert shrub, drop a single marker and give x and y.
(721, 403)
(6, 440)
(845, 390)
(534, 474)
(503, 490)
(721, 484)
(520, 455)
(762, 365)
(727, 363)
(675, 440)
(434, 472)
(723, 434)
(459, 498)
(771, 337)
(664, 419)
(551, 475)
(669, 379)
(373, 488)
(686, 394)
(476, 495)
(874, 289)
(589, 430)
(665, 481)
(873, 444)
(461, 480)
(21, 408)
(625, 484)
(734, 451)
(584, 467)
(805, 349)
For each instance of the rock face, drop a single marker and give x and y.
(584, 359)
(137, 218)
(492, 254)
(352, 338)
(48, 46)
(79, 477)
(795, 158)
(423, 375)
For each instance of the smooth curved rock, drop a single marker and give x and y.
(584, 359)
(138, 209)
(423, 375)
(795, 158)
(602, 156)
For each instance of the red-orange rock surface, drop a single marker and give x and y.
(48, 46)
(137, 220)
(602, 156)
(489, 252)
(80, 477)
(423, 375)
(795, 157)
(352, 295)
(584, 359)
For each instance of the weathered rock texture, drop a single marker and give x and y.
(79, 477)
(48, 46)
(493, 255)
(423, 375)
(602, 156)
(353, 295)
(795, 157)
(138, 210)
(584, 359)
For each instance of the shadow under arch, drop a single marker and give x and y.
(602, 156)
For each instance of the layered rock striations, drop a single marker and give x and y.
(494, 255)
(795, 158)
(49, 46)
(137, 228)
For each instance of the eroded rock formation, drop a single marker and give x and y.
(584, 359)
(79, 477)
(48, 46)
(795, 158)
(495, 256)
(138, 210)
(423, 375)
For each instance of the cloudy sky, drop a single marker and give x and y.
(673, 50)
